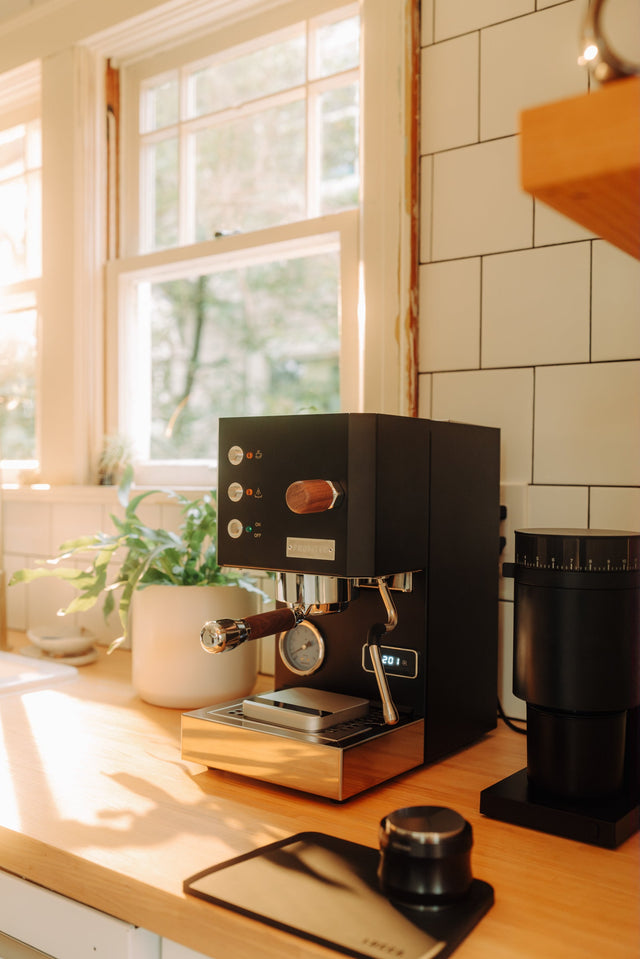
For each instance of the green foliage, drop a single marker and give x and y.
(152, 556)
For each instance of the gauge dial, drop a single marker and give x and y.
(302, 648)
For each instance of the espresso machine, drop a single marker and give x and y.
(383, 534)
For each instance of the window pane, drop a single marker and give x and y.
(12, 152)
(251, 174)
(257, 74)
(162, 162)
(20, 234)
(159, 104)
(261, 339)
(17, 385)
(339, 187)
(337, 47)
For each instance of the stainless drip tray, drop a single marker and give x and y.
(233, 713)
(337, 762)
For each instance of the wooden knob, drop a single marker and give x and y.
(313, 496)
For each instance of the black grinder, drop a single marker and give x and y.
(577, 665)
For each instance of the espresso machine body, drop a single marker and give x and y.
(414, 506)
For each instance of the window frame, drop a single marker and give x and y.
(76, 394)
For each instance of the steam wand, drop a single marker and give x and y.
(376, 632)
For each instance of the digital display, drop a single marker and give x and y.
(395, 661)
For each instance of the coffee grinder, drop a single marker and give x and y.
(383, 533)
(577, 664)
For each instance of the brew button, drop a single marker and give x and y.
(235, 455)
(235, 492)
(234, 528)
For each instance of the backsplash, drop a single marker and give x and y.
(37, 522)
(527, 321)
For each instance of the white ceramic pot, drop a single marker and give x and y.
(169, 666)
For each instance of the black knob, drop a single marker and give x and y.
(425, 856)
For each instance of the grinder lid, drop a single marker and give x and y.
(578, 550)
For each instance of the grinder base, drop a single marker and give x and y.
(602, 822)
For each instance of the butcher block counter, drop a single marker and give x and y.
(97, 804)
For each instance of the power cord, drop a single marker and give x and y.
(510, 722)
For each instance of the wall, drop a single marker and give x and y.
(527, 321)
(37, 522)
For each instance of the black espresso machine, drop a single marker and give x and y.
(383, 533)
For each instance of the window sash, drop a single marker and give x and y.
(130, 390)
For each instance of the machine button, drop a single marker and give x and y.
(235, 492)
(235, 455)
(235, 528)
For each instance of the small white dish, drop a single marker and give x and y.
(63, 642)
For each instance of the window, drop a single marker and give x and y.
(20, 269)
(236, 296)
(80, 371)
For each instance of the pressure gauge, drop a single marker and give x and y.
(302, 648)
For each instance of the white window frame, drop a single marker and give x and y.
(75, 413)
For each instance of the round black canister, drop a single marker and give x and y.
(425, 856)
(577, 654)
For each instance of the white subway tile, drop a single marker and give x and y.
(73, 520)
(478, 206)
(535, 306)
(501, 398)
(449, 120)
(424, 395)
(426, 189)
(527, 62)
(171, 517)
(587, 424)
(553, 227)
(27, 528)
(459, 16)
(44, 598)
(615, 507)
(559, 506)
(16, 596)
(615, 304)
(449, 328)
(426, 22)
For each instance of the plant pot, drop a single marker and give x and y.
(169, 666)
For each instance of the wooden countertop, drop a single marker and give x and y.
(97, 804)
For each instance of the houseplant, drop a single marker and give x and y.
(167, 669)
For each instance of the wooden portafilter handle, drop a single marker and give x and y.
(219, 635)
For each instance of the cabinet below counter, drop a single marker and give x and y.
(97, 805)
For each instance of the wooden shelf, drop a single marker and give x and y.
(581, 156)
